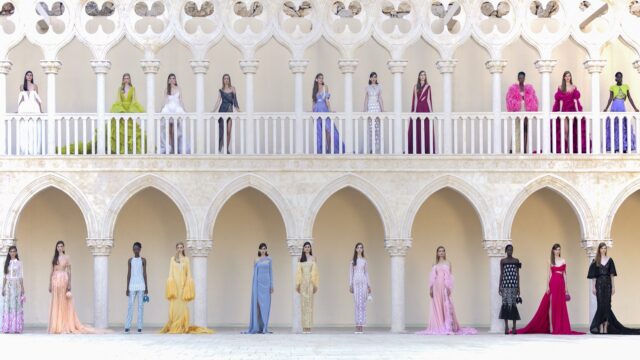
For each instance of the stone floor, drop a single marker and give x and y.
(323, 344)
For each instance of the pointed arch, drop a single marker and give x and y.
(149, 181)
(42, 183)
(629, 189)
(357, 183)
(238, 184)
(561, 187)
(473, 196)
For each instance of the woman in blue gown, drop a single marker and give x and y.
(262, 289)
(320, 97)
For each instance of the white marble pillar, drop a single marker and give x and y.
(249, 69)
(295, 250)
(199, 251)
(348, 67)
(595, 67)
(150, 67)
(51, 68)
(496, 67)
(590, 246)
(545, 67)
(397, 68)
(397, 249)
(5, 67)
(446, 68)
(298, 68)
(101, 249)
(200, 68)
(496, 251)
(100, 68)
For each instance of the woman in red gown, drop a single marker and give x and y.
(554, 302)
(421, 103)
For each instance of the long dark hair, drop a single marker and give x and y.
(169, 85)
(553, 258)
(564, 82)
(426, 80)
(316, 87)
(303, 257)
(263, 245)
(223, 76)
(355, 253)
(55, 253)
(598, 256)
(6, 262)
(371, 75)
(25, 86)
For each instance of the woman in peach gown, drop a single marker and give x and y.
(62, 315)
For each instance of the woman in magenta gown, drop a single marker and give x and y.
(554, 302)
(567, 99)
(421, 103)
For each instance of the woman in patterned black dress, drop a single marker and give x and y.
(509, 289)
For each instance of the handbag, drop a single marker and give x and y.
(145, 299)
(567, 297)
(518, 300)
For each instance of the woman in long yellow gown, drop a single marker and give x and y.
(307, 285)
(180, 291)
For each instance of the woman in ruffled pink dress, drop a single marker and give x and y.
(442, 317)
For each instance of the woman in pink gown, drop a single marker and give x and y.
(567, 99)
(421, 103)
(442, 316)
(554, 302)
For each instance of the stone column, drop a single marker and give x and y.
(594, 67)
(5, 67)
(51, 68)
(348, 67)
(101, 249)
(199, 251)
(150, 67)
(545, 67)
(397, 249)
(295, 250)
(200, 68)
(496, 67)
(249, 69)
(495, 250)
(446, 68)
(298, 68)
(100, 68)
(397, 68)
(590, 246)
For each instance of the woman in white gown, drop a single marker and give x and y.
(173, 105)
(30, 127)
(373, 104)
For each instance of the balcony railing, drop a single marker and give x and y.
(319, 133)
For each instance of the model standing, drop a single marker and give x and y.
(227, 102)
(373, 104)
(307, 285)
(567, 99)
(554, 301)
(180, 291)
(12, 293)
(359, 286)
(30, 129)
(62, 315)
(509, 289)
(136, 286)
(521, 97)
(321, 103)
(601, 272)
(618, 94)
(442, 316)
(421, 103)
(171, 139)
(261, 290)
(126, 102)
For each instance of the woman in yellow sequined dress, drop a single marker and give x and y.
(307, 285)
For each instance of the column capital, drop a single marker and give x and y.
(5, 66)
(199, 247)
(100, 247)
(594, 66)
(397, 246)
(295, 245)
(150, 66)
(5, 244)
(397, 66)
(636, 65)
(298, 66)
(199, 66)
(100, 66)
(495, 247)
(545, 65)
(348, 66)
(249, 66)
(446, 66)
(51, 66)
(590, 246)
(496, 66)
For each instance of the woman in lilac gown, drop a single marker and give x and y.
(618, 94)
(261, 291)
(567, 99)
(321, 103)
(359, 286)
(442, 316)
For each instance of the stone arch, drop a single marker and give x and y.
(622, 196)
(473, 196)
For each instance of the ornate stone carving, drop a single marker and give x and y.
(150, 66)
(294, 11)
(590, 246)
(498, 11)
(5, 244)
(93, 9)
(199, 66)
(100, 66)
(397, 246)
(595, 66)
(496, 66)
(636, 65)
(347, 66)
(100, 247)
(51, 67)
(397, 66)
(338, 8)
(545, 66)
(249, 66)
(206, 9)
(495, 247)
(446, 66)
(5, 66)
(295, 245)
(298, 66)
(241, 9)
(199, 247)
(542, 11)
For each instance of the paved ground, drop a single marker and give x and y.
(323, 344)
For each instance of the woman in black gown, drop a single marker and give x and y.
(509, 289)
(601, 272)
(227, 102)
